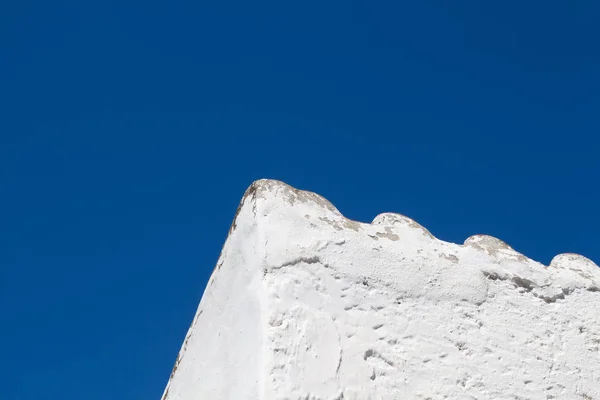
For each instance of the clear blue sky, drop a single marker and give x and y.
(129, 131)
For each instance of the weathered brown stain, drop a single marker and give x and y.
(180, 355)
(388, 234)
(251, 191)
(450, 257)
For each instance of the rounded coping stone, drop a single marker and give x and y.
(574, 261)
(487, 242)
(392, 219)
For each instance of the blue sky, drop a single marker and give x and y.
(129, 131)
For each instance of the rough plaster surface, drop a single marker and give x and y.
(305, 304)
